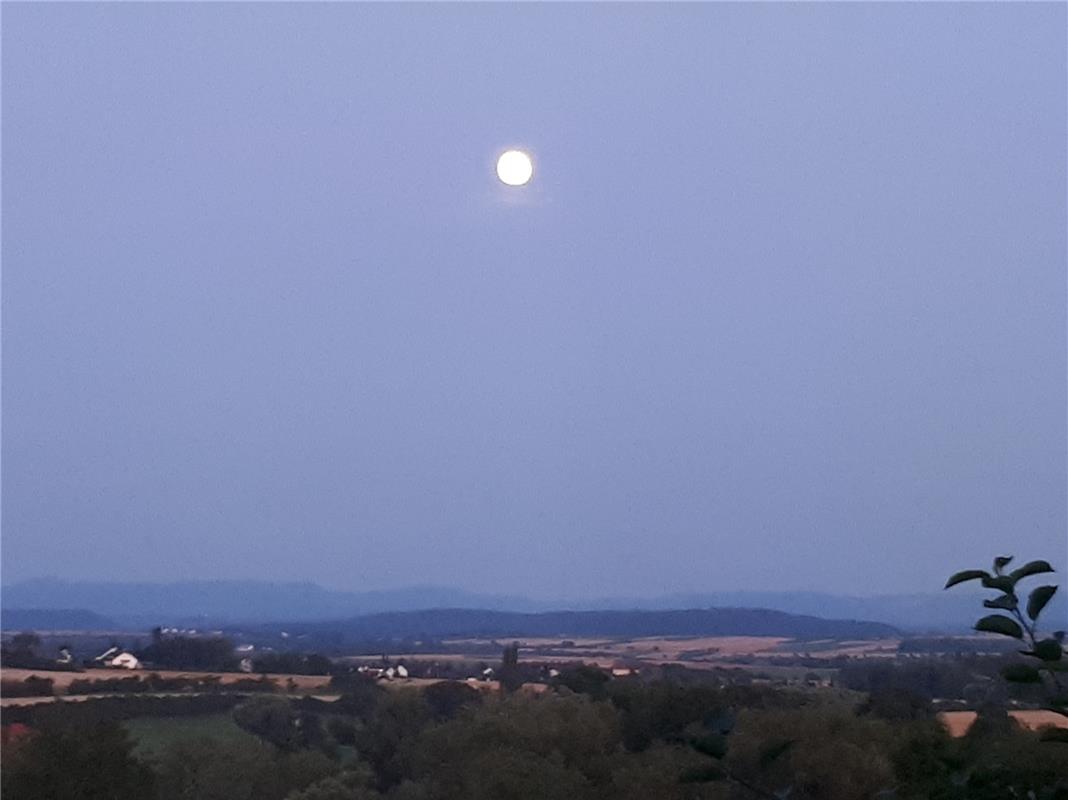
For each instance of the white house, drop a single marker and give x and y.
(125, 661)
(118, 659)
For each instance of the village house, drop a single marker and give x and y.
(117, 658)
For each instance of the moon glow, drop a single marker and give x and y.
(514, 168)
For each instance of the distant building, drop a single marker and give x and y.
(116, 658)
(125, 661)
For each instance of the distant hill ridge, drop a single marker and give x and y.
(224, 601)
(236, 601)
(53, 619)
(444, 623)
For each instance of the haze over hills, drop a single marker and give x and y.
(55, 619)
(446, 623)
(145, 604)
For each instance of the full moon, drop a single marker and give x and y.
(514, 168)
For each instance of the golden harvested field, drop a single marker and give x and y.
(316, 686)
(544, 641)
(958, 722)
(487, 687)
(61, 680)
(670, 649)
(395, 657)
(697, 652)
(658, 647)
(830, 648)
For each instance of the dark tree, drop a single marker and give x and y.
(509, 675)
(67, 762)
(274, 720)
(190, 652)
(896, 704)
(448, 697)
(584, 680)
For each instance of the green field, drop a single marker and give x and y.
(153, 734)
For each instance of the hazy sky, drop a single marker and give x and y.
(784, 306)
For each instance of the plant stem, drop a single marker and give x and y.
(1030, 629)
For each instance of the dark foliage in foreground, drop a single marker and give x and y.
(619, 740)
(61, 760)
(1044, 665)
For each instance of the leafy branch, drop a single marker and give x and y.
(1047, 653)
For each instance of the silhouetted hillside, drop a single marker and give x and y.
(238, 601)
(224, 602)
(444, 623)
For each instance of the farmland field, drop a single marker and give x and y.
(958, 722)
(62, 679)
(695, 651)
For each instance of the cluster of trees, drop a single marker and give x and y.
(117, 708)
(96, 761)
(62, 760)
(974, 679)
(33, 686)
(951, 646)
(36, 686)
(21, 651)
(153, 682)
(584, 739)
(293, 663)
(208, 653)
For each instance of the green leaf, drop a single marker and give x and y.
(995, 623)
(712, 744)
(1007, 602)
(1021, 673)
(1052, 734)
(1038, 599)
(1000, 563)
(967, 575)
(1031, 568)
(1048, 650)
(1003, 583)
